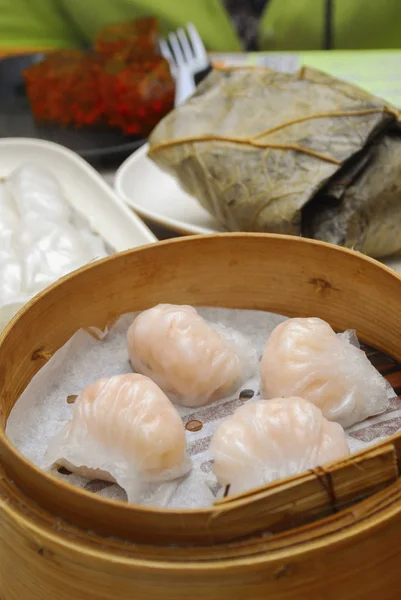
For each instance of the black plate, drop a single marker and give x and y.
(16, 119)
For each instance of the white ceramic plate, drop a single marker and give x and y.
(156, 195)
(83, 187)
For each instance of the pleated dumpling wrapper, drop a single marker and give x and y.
(123, 429)
(193, 361)
(306, 358)
(268, 440)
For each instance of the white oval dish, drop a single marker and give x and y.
(86, 191)
(157, 196)
(84, 188)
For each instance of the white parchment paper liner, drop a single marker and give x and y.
(42, 410)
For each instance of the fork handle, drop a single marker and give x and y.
(184, 85)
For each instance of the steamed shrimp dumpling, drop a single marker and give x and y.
(272, 439)
(193, 361)
(123, 429)
(306, 358)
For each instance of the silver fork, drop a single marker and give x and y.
(187, 56)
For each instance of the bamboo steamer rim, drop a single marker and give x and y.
(60, 538)
(12, 456)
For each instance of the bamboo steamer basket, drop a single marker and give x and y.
(329, 533)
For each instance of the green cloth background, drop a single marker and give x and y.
(285, 25)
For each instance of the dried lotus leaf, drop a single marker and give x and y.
(254, 146)
(367, 217)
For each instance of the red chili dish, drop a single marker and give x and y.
(124, 83)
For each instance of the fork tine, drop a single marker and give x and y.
(197, 44)
(165, 52)
(185, 45)
(176, 48)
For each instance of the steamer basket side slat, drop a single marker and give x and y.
(117, 550)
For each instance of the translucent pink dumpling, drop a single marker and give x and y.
(273, 439)
(191, 360)
(123, 429)
(304, 357)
